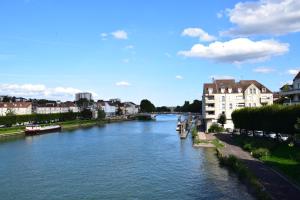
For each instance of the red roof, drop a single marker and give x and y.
(15, 104)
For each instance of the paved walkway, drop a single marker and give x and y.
(275, 184)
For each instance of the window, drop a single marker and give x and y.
(254, 104)
(230, 106)
(239, 90)
(223, 98)
(229, 90)
(223, 106)
(250, 91)
(264, 89)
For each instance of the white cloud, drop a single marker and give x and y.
(198, 33)
(220, 14)
(275, 17)
(238, 50)
(221, 77)
(123, 84)
(129, 47)
(264, 70)
(103, 34)
(293, 72)
(38, 91)
(126, 60)
(120, 35)
(179, 77)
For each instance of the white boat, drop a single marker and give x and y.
(37, 129)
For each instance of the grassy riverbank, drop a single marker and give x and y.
(13, 131)
(280, 156)
(244, 174)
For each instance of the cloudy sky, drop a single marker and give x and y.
(160, 50)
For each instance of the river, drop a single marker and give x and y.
(127, 160)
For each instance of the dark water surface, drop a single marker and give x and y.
(129, 160)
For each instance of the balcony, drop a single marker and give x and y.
(209, 108)
(264, 100)
(289, 92)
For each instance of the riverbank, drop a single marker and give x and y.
(263, 178)
(68, 125)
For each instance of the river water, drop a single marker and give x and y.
(128, 160)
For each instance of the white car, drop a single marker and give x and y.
(272, 135)
(283, 137)
(259, 133)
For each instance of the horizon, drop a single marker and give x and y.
(160, 51)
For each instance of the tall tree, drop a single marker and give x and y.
(147, 106)
(222, 119)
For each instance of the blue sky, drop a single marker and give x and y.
(136, 49)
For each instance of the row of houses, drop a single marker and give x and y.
(111, 107)
(226, 95)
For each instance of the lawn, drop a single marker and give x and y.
(281, 156)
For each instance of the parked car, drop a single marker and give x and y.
(283, 137)
(272, 135)
(259, 133)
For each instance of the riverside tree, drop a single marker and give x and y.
(222, 119)
(147, 106)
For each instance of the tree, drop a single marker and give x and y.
(163, 109)
(86, 114)
(10, 112)
(147, 106)
(101, 114)
(119, 111)
(222, 119)
(195, 107)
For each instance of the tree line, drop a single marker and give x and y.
(10, 120)
(274, 118)
(148, 107)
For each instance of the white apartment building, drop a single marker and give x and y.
(83, 95)
(130, 108)
(109, 108)
(61, 108)
(291, 93)
(17, 108)
(225, 96)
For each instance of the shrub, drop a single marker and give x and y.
(194, 132)
(247, 147)
(260, 152)
(215, 128)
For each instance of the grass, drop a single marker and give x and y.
(65, 125)
(217, 143)
(244, 174)
(281, 156)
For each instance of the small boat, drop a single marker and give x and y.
(37, 129)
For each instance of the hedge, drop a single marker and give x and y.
(274, 118)
(37, 118)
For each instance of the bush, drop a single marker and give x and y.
(215, 128)
(260, 152)
(194, 132)
(247, 147)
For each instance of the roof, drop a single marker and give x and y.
(297, 76)
(217, 85)
(15, 104)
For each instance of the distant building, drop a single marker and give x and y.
(83, 95)
(109, 108)
(291, 93)
(130, 108)
(225, 96)
(17, 108)
(51, 108)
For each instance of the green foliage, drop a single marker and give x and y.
(247, 147)
(244, 174)
(163, 109)
(37, 118)
(194, 132)
(217, 143)
(260, 152)
(147, 106)
(274, 118)
(222, 119)
(86, 114)
(101, 114)
(195, 107)
(215, 128)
